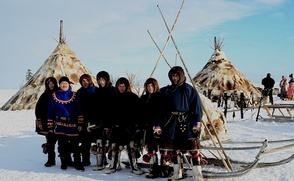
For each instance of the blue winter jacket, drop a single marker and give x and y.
(185, 99)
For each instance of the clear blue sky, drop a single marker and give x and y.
(112, 35)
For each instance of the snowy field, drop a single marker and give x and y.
(21, 157)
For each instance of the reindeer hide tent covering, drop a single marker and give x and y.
(62, 61)
(212, 117)
(219, 76)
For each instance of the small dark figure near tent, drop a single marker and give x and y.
(268, 82)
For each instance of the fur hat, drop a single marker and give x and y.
(64, 79)
(180, 72)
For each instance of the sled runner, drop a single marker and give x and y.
(267, 164)
(237, 173)
(247, 166)
(241, 168)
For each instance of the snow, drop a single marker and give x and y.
(21, 157)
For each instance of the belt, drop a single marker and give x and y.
(63, 118)
(176, 113)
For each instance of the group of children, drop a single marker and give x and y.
(113, 118)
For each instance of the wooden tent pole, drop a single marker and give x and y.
(179, 54)
(219, 151)
(60, 32)
(231, 168)
(159, 49)
(168, 38)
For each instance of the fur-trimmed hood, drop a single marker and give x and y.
(180, 72)
(105, 76)
(47, 81)
(123, 80)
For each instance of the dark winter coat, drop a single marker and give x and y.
(151, 115)
(152, 108)
(184, 99)
(125, 118)
(65, 108)
(41, 109)
(268, 82)
(102, 109)
(86, 97)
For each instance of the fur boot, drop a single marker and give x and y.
(133, 160)
(196, 167)
(177, 167)
(86, 159)
(51, 156)
(99, 157)
(78, 163)
(197, 173)
(114, 160)
(155, 170)
(177, 173)
(63, 163)
(165, 161)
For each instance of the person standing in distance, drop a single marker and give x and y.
(268, 82)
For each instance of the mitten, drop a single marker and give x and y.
(80, 122)
(91, 127)
(39, 124)
(196, 130)
(50, 125)
(157, 132)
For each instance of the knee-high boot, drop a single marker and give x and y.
(155, 170)
(63, 163)
(51, 140)
(114, 159)
(177, 166)
(51, 156)
(196, 167)
(165, 160)
(78, 163)
(63, 155)
(99, 157)
(133, 159)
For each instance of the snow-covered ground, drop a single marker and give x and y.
(21, 157)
